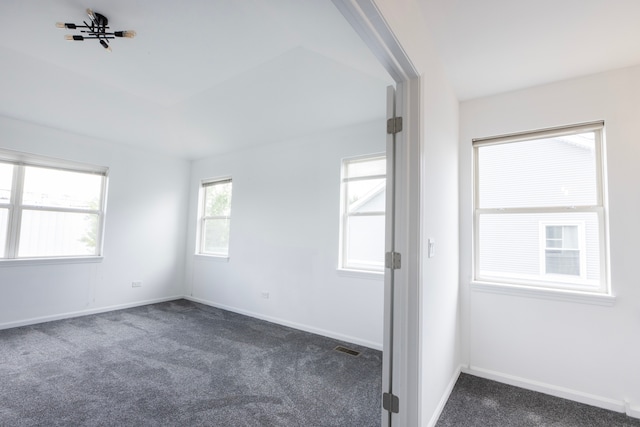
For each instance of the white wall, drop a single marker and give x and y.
(581, 351)
(440, 309)
(284, 237)
(144, 232)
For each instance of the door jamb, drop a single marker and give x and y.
(367, 20)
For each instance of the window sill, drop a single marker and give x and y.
(361, 274)
(213, 258)
(49, 261)
(606, 300)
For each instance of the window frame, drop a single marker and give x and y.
(202, 219)
(15, 207)
(343, 264)
(600, 209)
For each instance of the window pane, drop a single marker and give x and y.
(59, 188)
(366, 167)
(366, 196)
(558, 171)
(6, 178)
(365, 237)
(515, 246)
(570, 237)
(4, 219)
(216, 236)
(218, 199)
(563, 262)
(57, 234)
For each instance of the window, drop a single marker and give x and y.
(50, 208)
(363, 213)
(563, 249)
(540, 209)
(215, 217)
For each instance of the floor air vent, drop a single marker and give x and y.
(348, 351)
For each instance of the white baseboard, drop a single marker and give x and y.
(69, 315)
(554, 390)
(445, 396)
(632, 411)
(279, 321)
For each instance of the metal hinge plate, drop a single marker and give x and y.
(394, 125)
(390, 403)
(392, 260)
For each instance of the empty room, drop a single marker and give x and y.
(324, 213)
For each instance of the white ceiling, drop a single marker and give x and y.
(201, 77)
(493, 46)
(209, 76)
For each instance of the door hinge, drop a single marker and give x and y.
(392, 260)
(394, 125)
(390, 403)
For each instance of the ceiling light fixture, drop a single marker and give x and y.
(96, 30)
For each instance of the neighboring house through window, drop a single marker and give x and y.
(362, 225)
(215, 217)
(540, 212)
(50, 208)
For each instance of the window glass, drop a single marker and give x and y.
(4, 225)
(6, 179)
(60, 188)
(365, 248)
(366, 195)
(53, 234)
(216, 236)
(539, 210)
(362, 226)
(217, 199)
(543, 172)
(366, 167)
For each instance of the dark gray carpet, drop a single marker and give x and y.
(182, 363)
(479, 402)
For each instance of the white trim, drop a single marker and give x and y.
(445, 397)
(606, 300)
(368, 21)
(23, 262)
(551, 389)
(378, 276)
(631, 411)
(80, 313)
(295, 325)
(211, 258)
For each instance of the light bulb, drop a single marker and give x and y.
(91, 14)
(129, 34)
(105, 45)
(77, 38)
(60, 25)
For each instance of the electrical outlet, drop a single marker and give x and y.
(265, 295)
(136, 284)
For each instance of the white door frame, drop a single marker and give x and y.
(367, 20)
